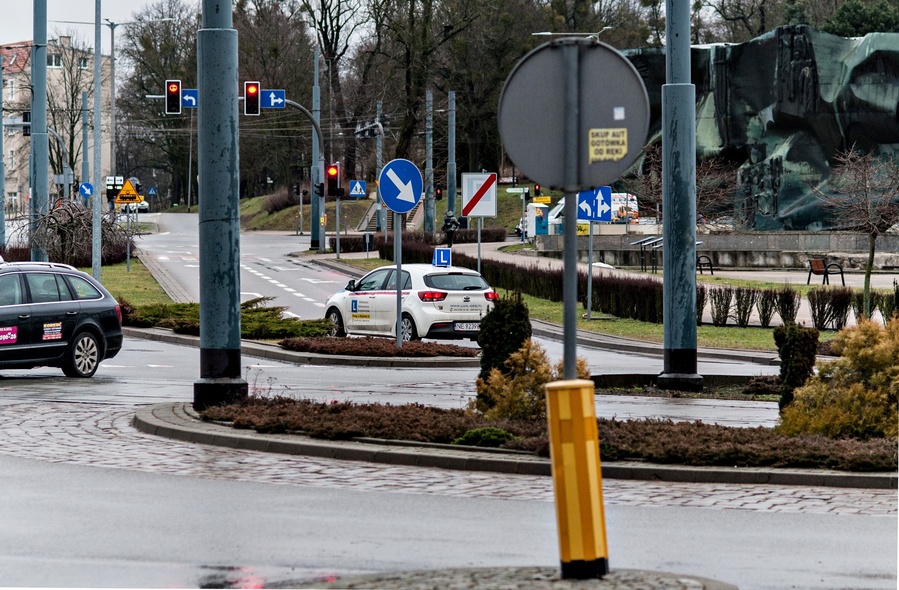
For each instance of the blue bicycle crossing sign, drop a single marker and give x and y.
(401, 185)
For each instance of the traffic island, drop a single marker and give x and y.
(531, 578)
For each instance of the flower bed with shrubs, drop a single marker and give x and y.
(660, 441)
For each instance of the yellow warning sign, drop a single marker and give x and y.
(608, 144)
(128, 194)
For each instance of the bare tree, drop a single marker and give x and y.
(864, 196)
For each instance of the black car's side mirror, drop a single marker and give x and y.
(351, 286)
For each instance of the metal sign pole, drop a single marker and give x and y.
(398, 257)
(480, 222)
(590, 274)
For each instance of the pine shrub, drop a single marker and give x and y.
(797, 347)
(854, 396)
(485, 437)
(787, 304)
(503, 331)
(766, 306)
(519, 392)
(744, 301)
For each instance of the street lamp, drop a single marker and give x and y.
(551, 34)
(112, 106)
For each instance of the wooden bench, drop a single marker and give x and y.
(703, 261)
(817, 266)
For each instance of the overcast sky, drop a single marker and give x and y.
(17, 18)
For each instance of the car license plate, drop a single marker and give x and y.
(467, 326)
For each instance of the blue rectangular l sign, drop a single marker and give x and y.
(442, 257)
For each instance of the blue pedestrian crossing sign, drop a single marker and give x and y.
(151, 191)
(442, 257)
(86, 189)
(401, 185)
(595, 204)
(357, 188)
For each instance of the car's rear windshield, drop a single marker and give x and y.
(456, 281)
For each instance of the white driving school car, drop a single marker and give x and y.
(439, 302)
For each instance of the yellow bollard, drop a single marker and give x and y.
(577, 478)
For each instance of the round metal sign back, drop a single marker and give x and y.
(611, 105)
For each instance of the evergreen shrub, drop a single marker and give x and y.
(797, 347)
(856, 395)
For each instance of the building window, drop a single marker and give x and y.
(12, 159)
(84, 63)
(10, 89)
(54, 60)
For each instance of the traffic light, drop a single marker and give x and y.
(333, 174)
(438, 191)
(251, 98)
(319, 189)
(173, 97)
(537, 190)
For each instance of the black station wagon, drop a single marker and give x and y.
(54, 315)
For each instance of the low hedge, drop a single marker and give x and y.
(659, 441)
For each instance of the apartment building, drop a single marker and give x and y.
(70, 71)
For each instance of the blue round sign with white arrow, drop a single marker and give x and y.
(401, 185)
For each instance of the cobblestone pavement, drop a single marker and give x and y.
(102, 436)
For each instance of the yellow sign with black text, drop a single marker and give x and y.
(128, 194)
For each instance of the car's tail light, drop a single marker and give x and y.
(118, 313)
(431, 295)
(491, 295)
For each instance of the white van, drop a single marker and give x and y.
(624, 210)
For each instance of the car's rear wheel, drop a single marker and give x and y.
(408, 328)
(337, 327)
(83, 356)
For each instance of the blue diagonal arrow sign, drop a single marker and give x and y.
(401, 184)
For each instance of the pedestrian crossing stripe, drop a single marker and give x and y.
(357, 188)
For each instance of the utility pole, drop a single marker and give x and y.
(85, 166)
(2, 168)
(316, 202)
(429, 163)
(679, 204)
(40, 140)
(451, 154)
(219, 209)
(382, 213)
(96, 226)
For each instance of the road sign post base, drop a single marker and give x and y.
(218, 391)
(679, 381)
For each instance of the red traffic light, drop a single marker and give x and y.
(173, 97)
(251, 98)
(536, 190)
(333, 171)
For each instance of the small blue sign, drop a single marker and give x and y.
(86, 189)
(442, 257)
(401, 185)
(274, 99)
(354, 306)
(189, 98)
(151, 192)
(357, 188)
(595, 205)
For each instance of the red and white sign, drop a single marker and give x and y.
(8, 335)
(479, 195)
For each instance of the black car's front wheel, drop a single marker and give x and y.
(83, 356)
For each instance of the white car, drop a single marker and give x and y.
(439, 302)
(142, 207)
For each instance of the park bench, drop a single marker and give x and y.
(703, 261)
(817, 267)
